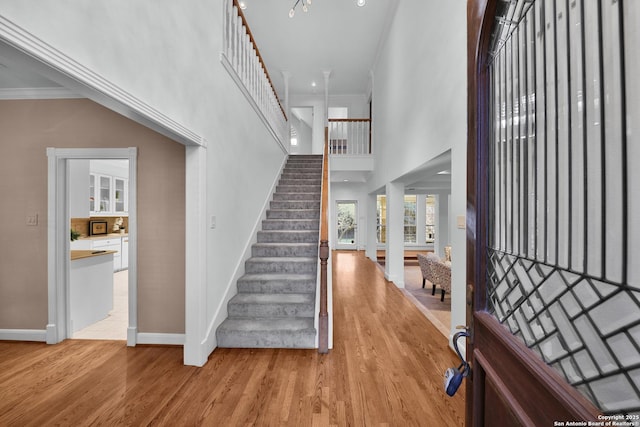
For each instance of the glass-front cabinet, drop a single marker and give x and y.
(108, 195)
(120, 201)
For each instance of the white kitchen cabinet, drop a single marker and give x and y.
(90, 291)
(109, 187)
(120, 195)
(108, 243)
(124, 259)
(79, 188)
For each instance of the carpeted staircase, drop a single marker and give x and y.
(275, 304)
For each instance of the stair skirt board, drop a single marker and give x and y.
(275, 306)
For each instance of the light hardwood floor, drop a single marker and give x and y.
(386, 368)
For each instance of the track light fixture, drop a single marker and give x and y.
(305, 7)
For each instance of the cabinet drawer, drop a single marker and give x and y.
(106, 242)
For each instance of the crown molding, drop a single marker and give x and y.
(22, 48)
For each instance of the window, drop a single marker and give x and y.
(410, 206)
(381, 219)
(430, 219)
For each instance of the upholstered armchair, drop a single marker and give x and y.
(425, 268)
(442, 274)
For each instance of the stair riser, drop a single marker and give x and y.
(296, 196)
(282, 250)
(298, 189)
(303, 165)
(293, 214)
(276, 286)
(295, 204)
(305, 160)
(272, 339)
(299, 173)
(292, 224)
(257, 266)
(284, 237)
(271, 310)
(304, 173)
(301, 181)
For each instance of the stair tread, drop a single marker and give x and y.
(289, 231)
(271, 298)
(273, 259)
(253, 324)
(277, 276)
(292, 244)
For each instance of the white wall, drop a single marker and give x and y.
(319, 117)
(167, 55)
(305, 136)
(357, 104)
(419, 108)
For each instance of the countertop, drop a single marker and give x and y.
(104, 236)
(78, 254)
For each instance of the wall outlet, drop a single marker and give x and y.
(32, 220)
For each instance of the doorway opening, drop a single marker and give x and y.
(99, 200)
(347, 224)
(74, 282)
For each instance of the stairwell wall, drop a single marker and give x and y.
(167, 55)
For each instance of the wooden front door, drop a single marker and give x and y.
(553, 212)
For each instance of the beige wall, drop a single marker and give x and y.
(27, 127)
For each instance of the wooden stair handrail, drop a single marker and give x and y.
(255, 45)
(323, 316)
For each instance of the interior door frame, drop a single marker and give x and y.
(497, 357)
(58, 237)
(340, 246)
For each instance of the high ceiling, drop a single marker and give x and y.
(334, 35)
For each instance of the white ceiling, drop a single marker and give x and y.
(334, 35)
(12, 78)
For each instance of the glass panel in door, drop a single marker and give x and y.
(347, 214)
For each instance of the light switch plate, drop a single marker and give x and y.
(212, 222)
(462, 222)
(32, 220)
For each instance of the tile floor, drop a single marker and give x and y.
(114, 327)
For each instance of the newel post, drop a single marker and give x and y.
(323, 345)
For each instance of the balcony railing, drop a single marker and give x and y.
(242, 59)
(349, 136)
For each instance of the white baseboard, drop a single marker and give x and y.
(37, 335)
(160, 339)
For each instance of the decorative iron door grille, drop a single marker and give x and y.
(564, 229)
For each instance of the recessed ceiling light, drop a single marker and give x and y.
(313, 84)
(361, 3)
(243, 5)
(444, 172)
(345, 180)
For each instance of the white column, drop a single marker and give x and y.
(442, 223)
(326, 75)
(394, 262)
(196, 321)
(371, 244)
